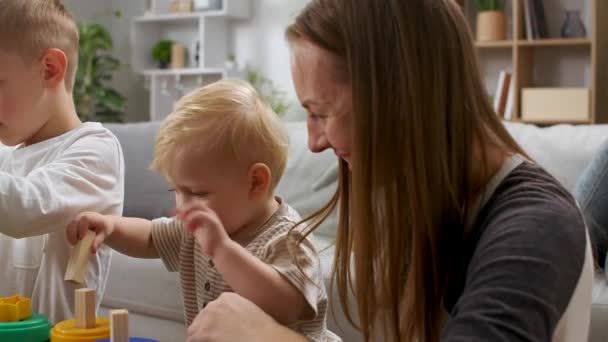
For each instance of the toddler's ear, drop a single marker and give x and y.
(54, 66)
(259, 180)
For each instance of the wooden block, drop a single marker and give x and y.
(77, 265)
(119, 325)
(84, 308)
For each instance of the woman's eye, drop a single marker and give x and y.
(198, 194)
(317, 117)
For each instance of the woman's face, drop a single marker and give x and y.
(319, 82)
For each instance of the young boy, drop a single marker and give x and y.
(51, 166)
(223, 151)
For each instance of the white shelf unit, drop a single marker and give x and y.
(210, 28)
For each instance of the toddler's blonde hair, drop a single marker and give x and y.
(30, 27)
(228, 119)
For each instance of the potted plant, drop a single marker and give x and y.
(270, 92)
(491, 20)
(161, 53)
(94, 99)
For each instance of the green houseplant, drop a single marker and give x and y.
(161, 53)
(269, 91)
(491, 20)
(490, 5)
(95, 100)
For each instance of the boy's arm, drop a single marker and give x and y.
(259, 282)
(130, 236)
(86, 177)
(133, 237)
(249, 276)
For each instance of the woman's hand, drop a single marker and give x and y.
(234, 318)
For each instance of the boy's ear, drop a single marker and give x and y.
(54, 66)
(259, 180)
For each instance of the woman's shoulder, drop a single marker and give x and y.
(525, 255)
(532, 203)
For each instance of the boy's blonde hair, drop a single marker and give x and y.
(228, 119)
(30, 27)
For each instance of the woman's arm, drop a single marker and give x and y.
(235, 318)
(529, 278)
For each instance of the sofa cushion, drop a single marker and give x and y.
(310, 179)
(563, 150)
(144, 286)
(146, 194)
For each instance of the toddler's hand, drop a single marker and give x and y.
(100, 224)
(205, 226)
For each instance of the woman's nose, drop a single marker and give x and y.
(318, 143)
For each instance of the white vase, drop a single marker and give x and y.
(206, 5)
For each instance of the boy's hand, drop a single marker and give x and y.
(206, 227)
(101, 224)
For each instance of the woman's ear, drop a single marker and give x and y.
(259, 180)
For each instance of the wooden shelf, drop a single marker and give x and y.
(528, 57)
(501, 44)
(556, 122)
(183, 72)
(194, 16)
(555, 42)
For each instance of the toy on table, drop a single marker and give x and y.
(119, 328)
(85, 327)
(18, 324)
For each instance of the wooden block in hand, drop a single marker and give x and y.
(84, 308)
(119, 325)
(79, 260)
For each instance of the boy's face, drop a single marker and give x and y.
(22, 105)
(224, 187)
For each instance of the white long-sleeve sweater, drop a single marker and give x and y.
(42, 188)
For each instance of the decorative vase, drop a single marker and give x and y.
(180, 6)
(491, 26)
(148, 8)
(206, 5)
(178, 56)
(573, 25)
(194, 53)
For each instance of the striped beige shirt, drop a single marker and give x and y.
(202, 283)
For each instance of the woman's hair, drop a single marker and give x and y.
(419, 108)
(226, 118)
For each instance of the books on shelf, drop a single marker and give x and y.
(502, 93)
(535, 19)
(528, 19)
(509, 106)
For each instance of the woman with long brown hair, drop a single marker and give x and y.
(447, 230)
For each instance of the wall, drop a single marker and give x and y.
(260, 43)
(257, 42)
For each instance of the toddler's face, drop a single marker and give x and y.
(221, 185)
(22, 105)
